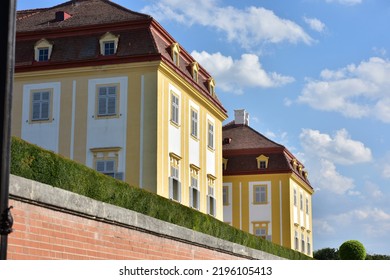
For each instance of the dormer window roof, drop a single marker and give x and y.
(262, 162)
(195, 71)
(42, 50)
(175, 50)
(211, 84)
(108, 44)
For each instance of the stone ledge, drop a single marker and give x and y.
(62, 200)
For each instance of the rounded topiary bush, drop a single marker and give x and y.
(352, 250)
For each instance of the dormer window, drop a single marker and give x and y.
(262, 162)
(108, 44)
(43, 54)
(42, 50)
(175, 50)
(109, 48)
(211, 86)
(195, 71)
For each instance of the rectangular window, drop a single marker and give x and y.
(296, 241)
(174, 181)
(307, 206)
(109, 48)
(40, 106)
(301, 201)
(302, 244)
(107, 101)
(295, 197)
(194, 123)
(308, 246)
(260, 194)
(106, 167)
(211, 201)
(43, 54)
(210, 136)
(225, 195)
(174, 108)
(263, 165)
(194, 190)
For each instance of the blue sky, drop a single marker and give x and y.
(314, 75)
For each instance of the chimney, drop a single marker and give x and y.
(61, 16)
(241, 117)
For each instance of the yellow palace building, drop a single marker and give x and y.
(266, 190)
(110, 88)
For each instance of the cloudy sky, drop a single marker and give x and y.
(314, 75)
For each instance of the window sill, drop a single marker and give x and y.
(175, 124)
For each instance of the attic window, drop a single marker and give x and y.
(43, 50)
(211, 83)
(195, 71)
(108, 44)
(175, 50)
(224, 163)
(262, 162)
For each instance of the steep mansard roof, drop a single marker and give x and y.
(83, 13)
(76, 39)
(242, 145)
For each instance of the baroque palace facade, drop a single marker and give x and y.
(112, 89)
(266, 190)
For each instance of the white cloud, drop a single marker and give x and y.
(315, 24)
(346, 2)
(249, 27)
(323, 227)
(373, 190)
(355, 91)
(323, 151)
(234, 75)
(339, 149)
(326, 177)
(386, 171)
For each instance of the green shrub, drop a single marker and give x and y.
(352, 250)
(35, 163)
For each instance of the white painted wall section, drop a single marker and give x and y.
(44, 134)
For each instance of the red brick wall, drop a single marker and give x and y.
(41, 233)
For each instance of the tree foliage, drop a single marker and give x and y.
(352, 250)
(326, 254)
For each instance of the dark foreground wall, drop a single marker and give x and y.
(51, 223)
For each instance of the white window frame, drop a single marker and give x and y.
(211, 200)
(108, 38)
(225, 195)
(210, 135)
(174, 178)
(109, 47)
(107, 99)
(175, 108)
(194, 192)
(41, 103)
(194, 123)
(260, 193)
(42, 45)
(308, 247)
(107, 171)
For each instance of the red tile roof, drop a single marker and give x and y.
(76, 39)
(242, 145)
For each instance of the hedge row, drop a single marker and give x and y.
(35, 163)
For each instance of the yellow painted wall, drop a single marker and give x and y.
(153, 78)
(241, 203)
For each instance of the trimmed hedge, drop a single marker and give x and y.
(35, 163)
(352, 250)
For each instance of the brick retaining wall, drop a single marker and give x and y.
(51, 223)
